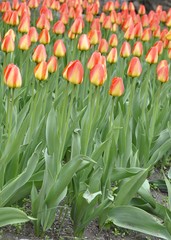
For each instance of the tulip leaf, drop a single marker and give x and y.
(138, 220)
(9, 215)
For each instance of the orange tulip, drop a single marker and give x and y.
(116, 87)
(52, 64)
(95, 24)
(33, 3)
(107, 24)
(24, 42)
(112, 56)
(134, 67)
(33, 34)
(94, 36)
(7, 44)
(113, 40)
(146, 35)
(59, 48)
(41, 71)
(103, 46)
(130, 33)
(94, 59)
(15, 4)
(12, 33)
(83, 43)
(137, 49)
(43, 22)
(44, 36)
(12, 76)
(125, 50)
(39, 53)
(163, 71)
(77, 26)
(98, 74)
(74, 72)
(144, 20)
(141, 10)
(159, 45)
(59, 27)
(24, 24)
(152, 55)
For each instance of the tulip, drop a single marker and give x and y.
(159, 45)
(152, 55)
(41, 71)
(113, 40)
(138, 30)
(112, 56)
(24, 24)
(33, 3)
(130, 33)
(43, 22)
(107, 24)
(24, 42)
(77, 26)
(103, 46)
(12, 33)
(33, 34)
(47, 12)
(15, 4)
(163, 71)
(59, 27)
(44, 36)
(74, 72)
(98, 74)
(71, 35)
(116, 87)
(14, 19)
(64, 18)
(137, 49)
(134, 67)
(125, 50)
(83, 43)
(7, 44)
(52, 64)
(94, 59)
(144, 20)
(113, 16)
(94, 36)
(146, 35)
(59, 48)
(12, 76)
(141, 10)
(39, 53)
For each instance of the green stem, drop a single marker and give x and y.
(10, 110)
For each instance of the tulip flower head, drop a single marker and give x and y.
(116, 87)
(112, 56)
(39, 53)
(125, 50)
(59, 48)
(163, 71)
(24, 42)
(137, 49)
(134, 67)
(12, 76)
(98, 74)
(74, 72)
(52, 64)
(41, 71)
(8, 44)
(83, 43)
(152, 55)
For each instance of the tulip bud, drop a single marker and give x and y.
(125, 50)
(12, 76)
(33, 3)
(7, 44)
(44, 36)
(146, 35)
(43, 22)
(116, 87)
(59, 27)
(41, 71)
(39, 53)
(163, 71)
(94, 59)
(103, 46)
(24, 42)
(24, 24)
(113, 40)
(112, 56)
(141, 10)
(98, 74)
(83, 43)
(130, 33)
(107, 24)
(137, 49)
(77, 26)
(94, 36)
(33, 34)
(59, 48)
(152, 55)
(74, 72)
(159, 45)
(134, 68)
(12, 33)
(52, 64)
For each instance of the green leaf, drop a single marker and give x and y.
(128, 189)
(138, 220)
(10, 215)
(51, 126)
(168, 184)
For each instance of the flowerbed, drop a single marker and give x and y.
(85, 113)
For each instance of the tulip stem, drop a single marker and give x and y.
(10, 110)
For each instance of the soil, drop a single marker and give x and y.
(62, 228)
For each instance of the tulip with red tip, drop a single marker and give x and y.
(39, 53)
(152, 55)
(8, 44)
(44, 36)
(163, 71)
(134, 67)
(74, 72)
(59, 27)
(103, 46)
(125, 50)
(83, 43)
(41, 71)
(98, 74)
(24, 42)
(137, 49)
(33, 34)
(12, 76)
(112, 56)
(52, 64)
(116, 87)
(113, 40)
(59, 48)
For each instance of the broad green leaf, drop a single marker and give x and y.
(168, 184)
(51, 128)
(138, 220)
(144, 192)
(9, 215)
(121, 173)
(128, 189)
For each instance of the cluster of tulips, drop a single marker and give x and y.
(95, 138)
